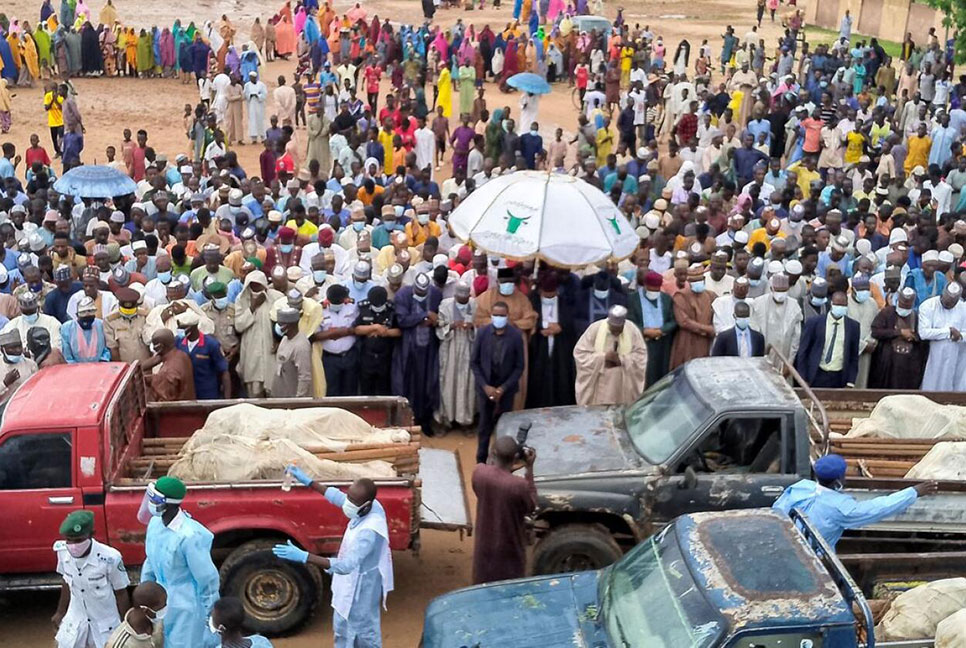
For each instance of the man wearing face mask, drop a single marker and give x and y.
(209, 366)
(521, 315)
(457, 403)
(497, 363)
(739, 341)
(863, 309)
(376, 333)
(311, 315)
(340, 357)
(15, 368)
(156, 289)
(315, 284)
(389, 223)
(293, 359)
(86, 614)
(174, 378)
(31, 316)
(55, 303)
(778, 318)
(597, 294)
(141, 626)
(82, 340)
(899, 358)
(177, 552)
(551, 354)
(652, 311)
(942, 320)
(362, 572)
(39, 349)
(125, 330)
(361, 282)
(757, 286)
(611, 361)
(422, 228)
(828, 356)
(104, 302)
(221, 312)
(693, 314)
(357, 225)
(816, 300)
(833, 512)
(415, 362)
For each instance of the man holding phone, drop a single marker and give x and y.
(503, 501)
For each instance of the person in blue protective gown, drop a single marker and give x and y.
(178, 557)
(227, 621)
(362, 572)
(832, 512)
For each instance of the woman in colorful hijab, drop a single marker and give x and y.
(42, 41)
(5, 105)
(179, 36)
(168, 57)
(31, 64)
(109, 51)
(494, 136)
(145, 54)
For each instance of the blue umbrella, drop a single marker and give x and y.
(95, 181)
(529, 82)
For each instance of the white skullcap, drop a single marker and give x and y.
(775, 267)
(652, 220)
(930, 255)
(946, 257)
(863, 246)
(793, 267)
(956, 250)
(898, 235)
(741, 237)
(440, 260)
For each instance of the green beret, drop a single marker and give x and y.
(77, 524)
(171, 487)
(217, 287)
(255, 261)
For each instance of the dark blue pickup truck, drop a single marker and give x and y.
(750, 578)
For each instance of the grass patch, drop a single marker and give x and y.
(820, 35)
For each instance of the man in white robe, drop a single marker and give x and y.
(863, 309)
(611, 361)
(425, 146)
(219, 104)
(256, 94)
(941, 321)
(778, 318)
(723, 307)
(455, 330)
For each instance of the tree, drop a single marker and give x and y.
(954, 18)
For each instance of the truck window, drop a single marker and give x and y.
(741, 445)
(35, 461)
(665, 417)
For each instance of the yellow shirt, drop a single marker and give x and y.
(760, 235)
(853, 147)
(308, 229)
(805, 178)
(918, 154)
(55, 116)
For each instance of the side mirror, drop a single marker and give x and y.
(690, 479)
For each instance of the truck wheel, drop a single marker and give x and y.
(279, 596)
(575, 547)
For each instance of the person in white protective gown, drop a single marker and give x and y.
(362, 572)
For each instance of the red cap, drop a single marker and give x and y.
(286, 234)
(653, 280)
(326, 236)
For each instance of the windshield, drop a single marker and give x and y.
(664, 418)
(650, 600)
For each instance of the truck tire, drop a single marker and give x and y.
(575, 547)
(279, 596)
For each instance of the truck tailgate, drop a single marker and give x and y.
(444, 503)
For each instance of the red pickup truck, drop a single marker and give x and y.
(74, 436)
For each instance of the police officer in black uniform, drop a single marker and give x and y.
(377, 334)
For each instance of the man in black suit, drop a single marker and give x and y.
(497, 364)
(740, 341)
(828, 355)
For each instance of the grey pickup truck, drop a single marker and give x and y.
(717, 434)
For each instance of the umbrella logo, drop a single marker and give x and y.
(514, 223)
(613, 221)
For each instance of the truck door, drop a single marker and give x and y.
(739, 461)
(36, 492)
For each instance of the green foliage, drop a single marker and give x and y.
(954, 18)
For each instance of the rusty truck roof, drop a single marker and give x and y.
(739, 382)
(757, 569)
(64, 395)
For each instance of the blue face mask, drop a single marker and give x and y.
(319, 275)
(862, 296)
(818, 302)
(506, 288)
(13, 359)
(839, 311)
(741, 322)
(221, 303)
(32, 318)
(601, 294)
(358, 226)
(278, 330)
(286, 247)
(754, 282)
(697, 287)
(164, 277)
(180, 332)
(499, 321)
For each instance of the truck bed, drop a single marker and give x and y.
(168, 427)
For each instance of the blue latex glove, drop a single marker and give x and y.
(288, 551)
(299, 475)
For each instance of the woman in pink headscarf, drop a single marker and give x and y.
(285, 37)
(300, 16)
(441, 46)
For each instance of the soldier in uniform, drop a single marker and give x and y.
(125, 328)
(377, 332)
(222, 314)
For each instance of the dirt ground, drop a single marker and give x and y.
(110, 105)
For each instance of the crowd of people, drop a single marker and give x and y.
(807, 199)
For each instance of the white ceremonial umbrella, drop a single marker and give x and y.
(552, 216)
